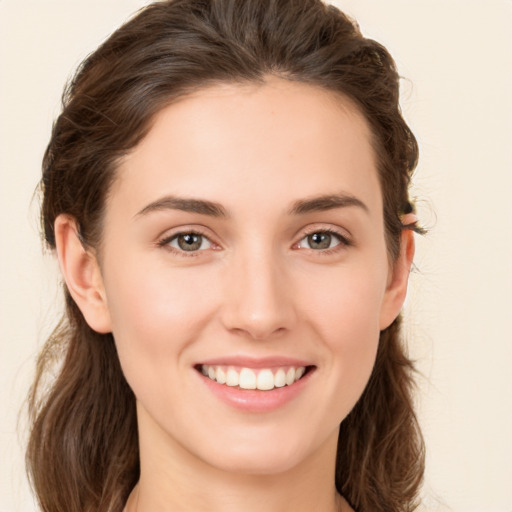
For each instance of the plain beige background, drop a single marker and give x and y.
(456, 56)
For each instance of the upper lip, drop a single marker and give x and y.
(255, 362)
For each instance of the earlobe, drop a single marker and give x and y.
(396, 290)
(82, 274)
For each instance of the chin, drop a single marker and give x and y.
(267, 452)
(259, 461)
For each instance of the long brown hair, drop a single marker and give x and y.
(83, 450)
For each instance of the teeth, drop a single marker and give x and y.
(280, 378)
(265, 380)
(220, 376)
(232, 377)
(290, 376)
(246, 378)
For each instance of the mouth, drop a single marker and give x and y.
(262, 379)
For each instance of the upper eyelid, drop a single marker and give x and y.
(166, 239)
(343, 240)
(327, 228)
(183, 230)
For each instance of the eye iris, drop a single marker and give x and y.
(190, 241)
(319, 240)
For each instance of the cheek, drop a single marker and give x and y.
(153, 300)
(346, 303)
(346, 318)
(155, 316)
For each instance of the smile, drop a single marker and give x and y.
(263, 379)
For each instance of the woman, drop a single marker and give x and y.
(226, 191)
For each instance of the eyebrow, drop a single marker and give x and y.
(326, 202)
(185, 204)
(212, 209)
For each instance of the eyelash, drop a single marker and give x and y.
(165, 243)
(344, 242)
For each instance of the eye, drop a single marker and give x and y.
(187, 242)
(322, 240)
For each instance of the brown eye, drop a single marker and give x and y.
(189, 242)
(319, 240)
(322, 240)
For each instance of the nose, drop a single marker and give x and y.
(258, 301)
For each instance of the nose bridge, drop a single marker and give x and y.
(258, 300)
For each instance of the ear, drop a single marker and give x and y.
(82, 274)
(396, 290)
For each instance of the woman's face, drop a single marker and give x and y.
(244, 239)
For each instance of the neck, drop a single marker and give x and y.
(253, 497)
(174, 480)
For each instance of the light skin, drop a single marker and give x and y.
(277, 187)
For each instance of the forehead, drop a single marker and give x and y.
(253, 140)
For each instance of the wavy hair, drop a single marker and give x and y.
(82, 454)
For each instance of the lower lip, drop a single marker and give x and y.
(253, 400)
